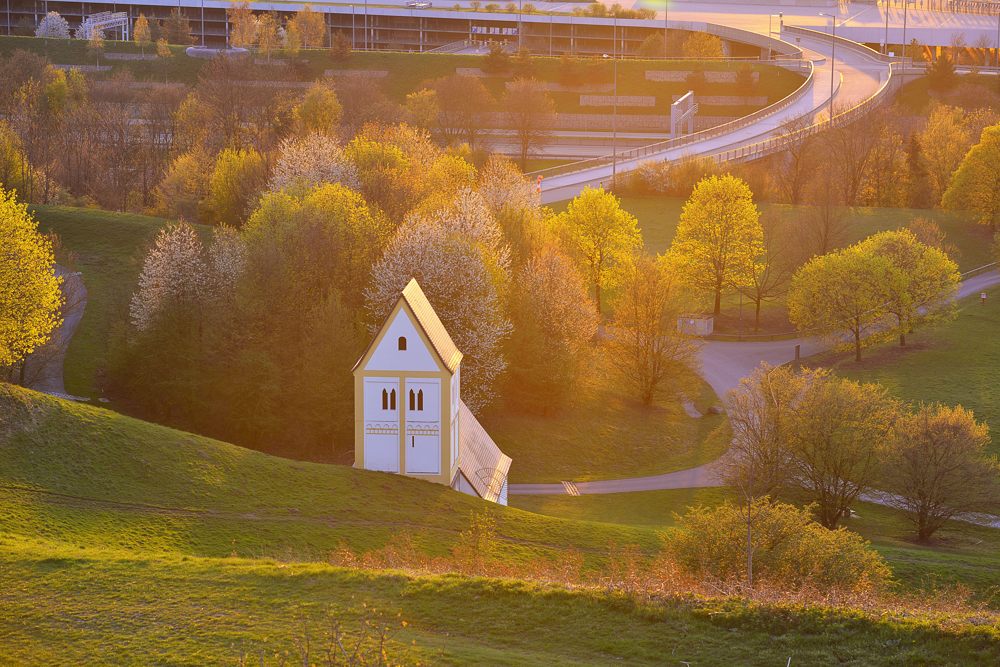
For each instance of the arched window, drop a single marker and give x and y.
(401, 343)
(420, 399)
(413, 400)
(385, 400)
(392, 399)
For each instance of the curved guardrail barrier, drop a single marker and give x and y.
(676, 142)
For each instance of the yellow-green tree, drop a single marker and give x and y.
(702, 45)
(976, 184)
(311, 27)
(319, 111)
(602, 235)
(293, 38)
(943, 142)
(837, 440)
(652, 356)
(719, 237)
(95, 43)
(243, 25)
(163, 55)
(141, 34)
(924, 281)
(939, 467)
(842, 293)
(237, 178)
(267, 34)
(30, 298)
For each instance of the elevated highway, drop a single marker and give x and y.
(861, 78)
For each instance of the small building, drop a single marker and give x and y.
(696, 325)
(408, 411)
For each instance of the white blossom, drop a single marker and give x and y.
(226, 259)
(503, 187)
(456, 275)
(309, 161)
(174, 272)
(53, 25)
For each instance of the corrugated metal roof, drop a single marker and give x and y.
(479, 458)
(432, 326)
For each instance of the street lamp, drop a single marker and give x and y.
(885, 40)
(779, 15)
(833, 59)
(614, 104)
(906, 4)
(666, 31)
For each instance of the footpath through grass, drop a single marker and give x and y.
(109, 249)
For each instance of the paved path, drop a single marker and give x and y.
(45, 367)
(723, 365)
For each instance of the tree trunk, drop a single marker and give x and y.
(718, 301)
(902, 339)
(597, 298)
(857, 346)
(756, 318)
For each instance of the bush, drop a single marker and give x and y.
(790, 550)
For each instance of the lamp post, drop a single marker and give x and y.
(666, 31)
(998, 39)
(366, 25)
(833, 59)
(906, 4)
(779, 15)
(885, 40)
(614, 105)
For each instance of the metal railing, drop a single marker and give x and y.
(676, 142)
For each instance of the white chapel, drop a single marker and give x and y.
(408, 410)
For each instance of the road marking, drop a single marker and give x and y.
(571, 488)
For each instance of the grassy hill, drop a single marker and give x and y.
(129, 542)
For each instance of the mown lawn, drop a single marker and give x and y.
(109, 248)
(961, 553)
(956, 363)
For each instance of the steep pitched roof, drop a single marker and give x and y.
(479, 458)
(432, 326)
(427, 319)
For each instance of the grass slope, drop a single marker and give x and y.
(92, 477)
(142, 558)
(955, 362)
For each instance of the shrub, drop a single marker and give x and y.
(790, 550)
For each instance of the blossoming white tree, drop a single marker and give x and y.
(53, 25)
(174, 273)
(459, 277)
(309, 161)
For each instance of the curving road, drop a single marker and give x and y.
(723, 365)
(856, 77)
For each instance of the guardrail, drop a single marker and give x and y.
(676, 142)
(842, 42)
(775, 144)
